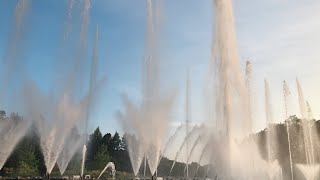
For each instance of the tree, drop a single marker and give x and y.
(101, 158)
(124, 144)
(28, 163)
(114, 147)
(94, 144)
(121, 156)
(115, 143)
(106, 139)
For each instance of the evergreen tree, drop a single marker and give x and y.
(101, 158)
(94, 143)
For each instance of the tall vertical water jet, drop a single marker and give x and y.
(271, 137)
(274, 170)
(286, 93)
(309, 111)
(79, 64)
(311, 132)
(248, 74)
(12, 57)
(84, 152)
(145, 166)
(68, 29)
(69, 110)
(153, 112)
(188, 117)
(84, 23)
(13, 128)
(268, 104)
(151, 86)
(229, 86)
(248, 123)
(302, 101)
(71, 146)
(152, 103)
(305, 123)
(90, 97)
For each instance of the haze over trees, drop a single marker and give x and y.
(27, 158)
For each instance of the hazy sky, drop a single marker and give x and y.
(280, 37)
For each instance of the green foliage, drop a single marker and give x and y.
(101, 157)
(27, 170)
(27, 159)
(94, 143)
(115, 143)
(23, 160)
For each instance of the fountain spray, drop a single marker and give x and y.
(198, 140)
(229, 81)
(204, 150)
(153, 112)
(170, 140)
(302, 101)
(72, 144)
(145, 166)
(286, 93)
(188, 117)
(90, 95)
(12, 57)
(269, 118)
(191, 134)
(248, 73)
(113, 169)
(84, 151)
(311, 131)
(305, 123)
(310, 170)
(11, 131)
(274, 169)
(70, 4)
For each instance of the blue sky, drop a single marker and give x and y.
(280, 37)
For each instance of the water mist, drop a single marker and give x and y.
(13, 128)
(286, 93)
(153, 113)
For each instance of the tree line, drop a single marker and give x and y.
(27, 158)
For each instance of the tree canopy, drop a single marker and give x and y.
(27, 158)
